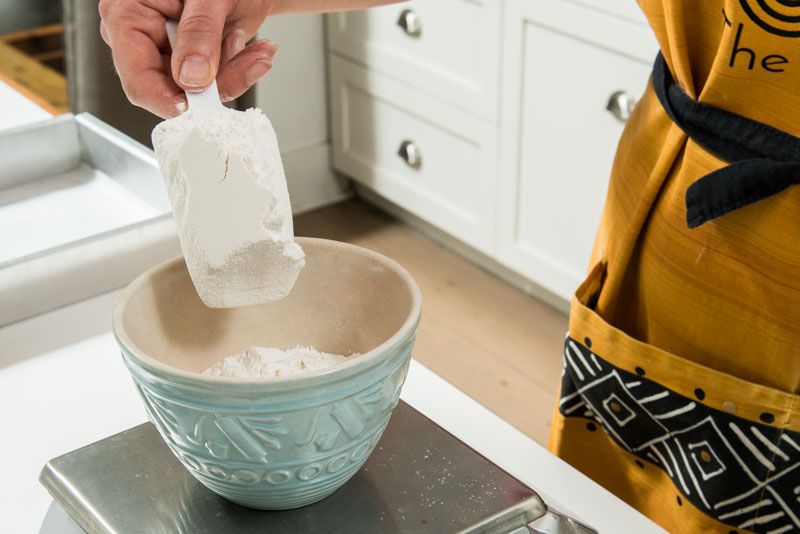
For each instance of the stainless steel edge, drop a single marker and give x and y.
(556, 522)
(52, 277)
(69, 501)
(23, 161)
(117, 137)
(509, 519)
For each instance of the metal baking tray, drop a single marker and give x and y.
(83, 210)
(420, 479)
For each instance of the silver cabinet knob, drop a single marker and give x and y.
(410, 153)
(410, 23)
(621, 104)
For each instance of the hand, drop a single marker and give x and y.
(210, 44)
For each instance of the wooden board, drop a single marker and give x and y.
(33, 33)
(36, 81)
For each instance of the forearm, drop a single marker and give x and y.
(280, 7)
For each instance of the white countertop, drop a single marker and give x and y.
(16, 109)
(63, 385)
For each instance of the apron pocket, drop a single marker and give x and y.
(727, 444)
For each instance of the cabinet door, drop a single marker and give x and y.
(562, 62)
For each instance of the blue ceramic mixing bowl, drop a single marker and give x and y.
(284, 442)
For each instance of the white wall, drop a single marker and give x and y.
(293, 95)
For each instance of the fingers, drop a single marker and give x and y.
(232, 44)
(104, 33)
(147, 16)
(145, 81)
(134, 29)
(196, 55)
(246, 68)
(155, 77)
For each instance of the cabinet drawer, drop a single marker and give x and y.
(448, 49)
(448, 175)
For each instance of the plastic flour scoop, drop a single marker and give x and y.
(225, 180)
(207, 99)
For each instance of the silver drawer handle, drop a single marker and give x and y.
(410, 23)
(410, 153)
(621, 104)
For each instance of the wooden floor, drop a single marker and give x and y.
(492, 341)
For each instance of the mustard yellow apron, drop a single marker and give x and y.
(681, 379)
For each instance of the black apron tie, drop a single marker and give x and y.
(763, 160)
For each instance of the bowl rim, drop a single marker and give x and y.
(366, 359)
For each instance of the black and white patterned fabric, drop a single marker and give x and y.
(742, 473)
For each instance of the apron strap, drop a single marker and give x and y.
(763, 160)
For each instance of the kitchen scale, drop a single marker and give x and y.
(420, 479)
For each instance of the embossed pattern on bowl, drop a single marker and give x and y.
(271, 452)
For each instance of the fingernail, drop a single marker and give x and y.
(237, 41)
(272, 46)
(181, 106)
(268, 47)
(195, 71)
(257, 70)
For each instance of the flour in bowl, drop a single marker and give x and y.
(263, 362)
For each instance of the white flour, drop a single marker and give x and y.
(262, 362)
(225, 180)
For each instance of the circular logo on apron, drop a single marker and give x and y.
(779, 17)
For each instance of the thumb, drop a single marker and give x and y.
(195, 58)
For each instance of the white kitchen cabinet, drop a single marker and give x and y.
(505, 100)
(627, 9)
(436, 161)
(448, 49)
(294, 98)
(558, 139)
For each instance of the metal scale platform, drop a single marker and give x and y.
(419, 479)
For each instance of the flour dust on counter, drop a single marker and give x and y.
(265, 362)
(225, 179)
